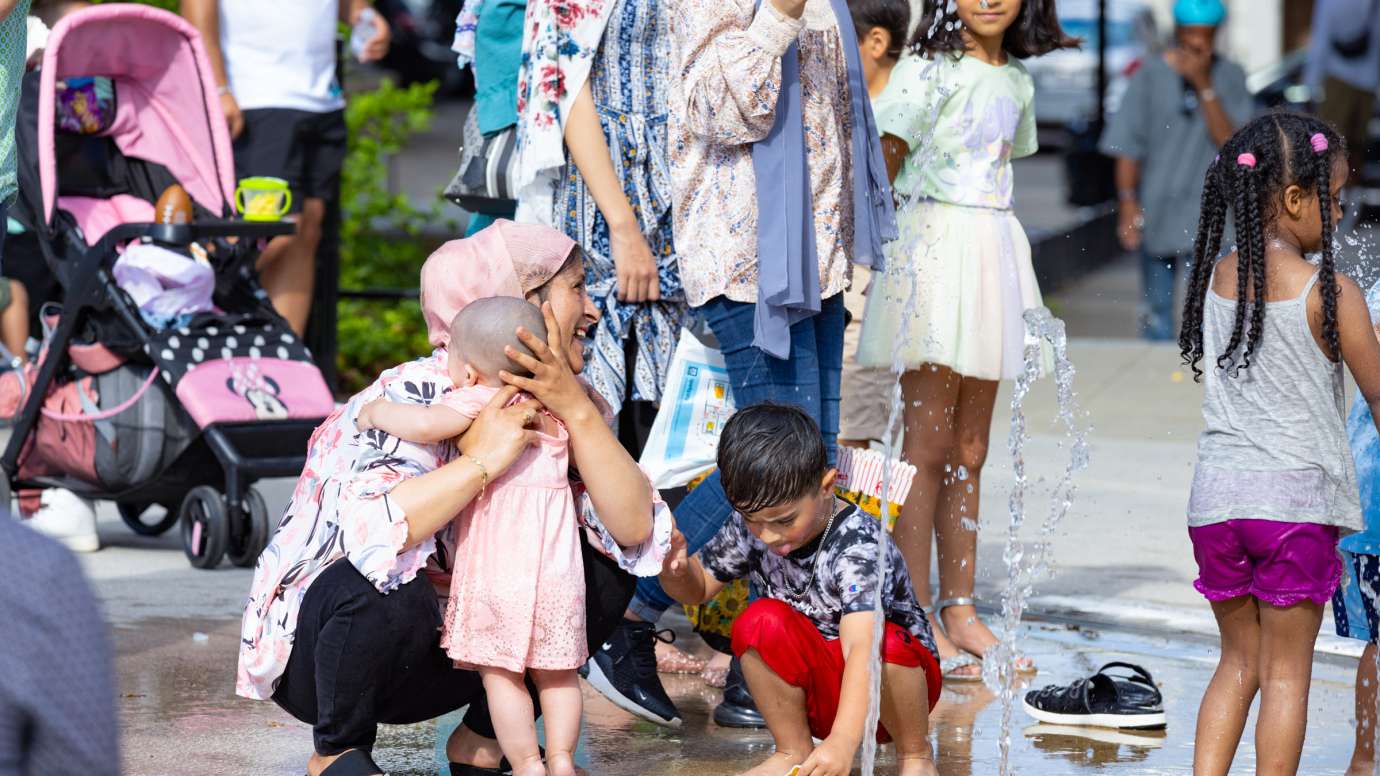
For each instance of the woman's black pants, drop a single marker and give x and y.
(361, 658)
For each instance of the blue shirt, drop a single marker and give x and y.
(57, 686)
(1329, 16)
(497, 56)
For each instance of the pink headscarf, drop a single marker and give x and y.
(504, 259)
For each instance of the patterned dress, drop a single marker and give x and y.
(628, 80)
(342, 508)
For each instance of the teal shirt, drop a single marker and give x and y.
(14, 40)
(497, 55)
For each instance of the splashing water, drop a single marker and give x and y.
(999, 664)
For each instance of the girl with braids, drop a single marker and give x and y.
(1268, 331)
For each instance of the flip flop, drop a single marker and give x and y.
(353, 763)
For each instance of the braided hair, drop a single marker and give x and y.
(1035, 32)
(1280, 145)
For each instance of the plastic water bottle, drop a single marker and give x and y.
(362, 32)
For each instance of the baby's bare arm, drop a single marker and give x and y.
(412, 422)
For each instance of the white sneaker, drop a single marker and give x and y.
(69, 518)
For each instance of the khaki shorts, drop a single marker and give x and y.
(865, 405)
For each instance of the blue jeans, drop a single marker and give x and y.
(809, 379)
(1157, 278)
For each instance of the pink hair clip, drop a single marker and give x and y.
(1319, 142)
(1246, 160)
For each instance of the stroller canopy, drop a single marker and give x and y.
(167, 109)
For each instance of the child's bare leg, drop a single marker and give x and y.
(14, 323)
(929, 395)
(783, 708)
(561, 708)
(906, 716)
(1363, 756)
(1227, 701)
(1286, 672)
(510, 709)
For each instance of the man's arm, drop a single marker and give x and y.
(1219, 124)
(1130, 216)
(377, 47)
(205, 17)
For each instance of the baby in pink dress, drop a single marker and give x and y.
(517, 594)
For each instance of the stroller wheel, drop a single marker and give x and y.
(205, 527)
(133, 515)
(253, 537)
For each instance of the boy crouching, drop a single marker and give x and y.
(805, 643)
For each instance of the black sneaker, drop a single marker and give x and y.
(738, 709)
(624, 671)
(1101, 700)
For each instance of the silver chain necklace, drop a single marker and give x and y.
(814, 565)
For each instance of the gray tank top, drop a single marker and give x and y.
(1275, 445)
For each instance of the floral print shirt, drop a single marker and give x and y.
(833, 576)
(558, 49)
(341, 508)
(964, 120)
(726, 75)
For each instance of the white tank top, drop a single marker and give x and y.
(1275, 445)
(281, 53)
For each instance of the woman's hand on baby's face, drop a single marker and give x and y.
(552, 381)
(500, 434)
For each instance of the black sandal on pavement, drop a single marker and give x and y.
(355, 762)
(461, 769)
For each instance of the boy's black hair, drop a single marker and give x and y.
(770, 454)
(890, 15)
(1282, 146)
(1035, 32)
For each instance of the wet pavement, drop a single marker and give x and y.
(179, 714)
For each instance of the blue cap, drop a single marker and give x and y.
(1199, 13)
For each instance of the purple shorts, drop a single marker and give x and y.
(1277, 562)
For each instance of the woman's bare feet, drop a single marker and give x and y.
(948, 649)
(779, 764)
(560, 764)
(967, 632)
(320, 762)
(671, 659)
(469, 748)
(715, 673)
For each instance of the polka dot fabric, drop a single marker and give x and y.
(211, 337)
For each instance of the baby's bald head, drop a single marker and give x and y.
(480, 331)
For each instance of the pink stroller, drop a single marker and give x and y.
(185, 413)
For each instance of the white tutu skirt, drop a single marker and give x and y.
(964, 274)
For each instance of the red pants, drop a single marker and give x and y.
(796, 651)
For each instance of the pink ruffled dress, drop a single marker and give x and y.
(517, 596)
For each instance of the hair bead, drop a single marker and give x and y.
(1246, 160)
(1319, 142)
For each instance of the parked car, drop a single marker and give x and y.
(1066, 80)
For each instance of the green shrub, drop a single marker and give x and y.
(381, 242)
(167, 5)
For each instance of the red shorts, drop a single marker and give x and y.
(793, 648)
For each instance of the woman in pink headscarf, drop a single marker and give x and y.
(341, 629)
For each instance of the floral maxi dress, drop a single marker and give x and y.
(628, 80)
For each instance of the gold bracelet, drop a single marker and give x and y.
(483, 472)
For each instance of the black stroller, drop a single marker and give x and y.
(186, 414)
